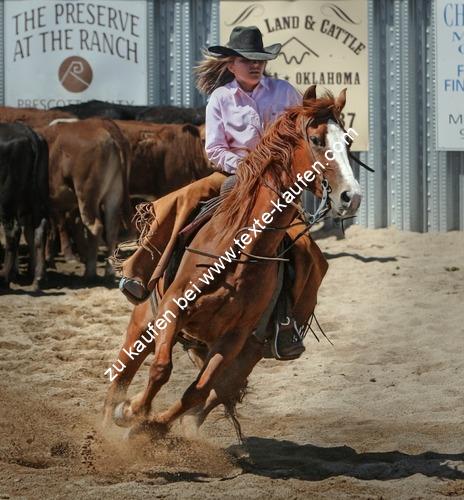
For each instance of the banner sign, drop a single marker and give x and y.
(66, 52)
(450, 75)
(323, 43)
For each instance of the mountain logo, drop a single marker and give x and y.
(75, 74)
(294, 50)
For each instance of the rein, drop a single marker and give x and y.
(308, 221)
(359, 162)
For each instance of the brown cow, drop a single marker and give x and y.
(164, 157)
(33, 117)
(89, 166)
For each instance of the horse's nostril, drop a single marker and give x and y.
(345, 196)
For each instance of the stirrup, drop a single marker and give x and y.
(125, 285)
(286, 343)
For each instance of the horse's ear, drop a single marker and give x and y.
(310, 93)
(340, 101)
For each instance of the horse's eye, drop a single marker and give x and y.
(315, 140)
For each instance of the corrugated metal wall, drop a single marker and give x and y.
(179, 30)
(414, 187)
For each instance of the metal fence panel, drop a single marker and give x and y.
(2, 53)
(415, 187)
(421, 189)
(182, 28)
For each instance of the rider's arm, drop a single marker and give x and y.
(294, 98)
(216, 145)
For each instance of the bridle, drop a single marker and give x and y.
(309, 121)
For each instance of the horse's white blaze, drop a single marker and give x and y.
(346, 192)
(337, 145)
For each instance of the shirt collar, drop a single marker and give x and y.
(235, 87)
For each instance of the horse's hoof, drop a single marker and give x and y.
(150, 429)
(238, 451)
(120, 417)
(190, 425)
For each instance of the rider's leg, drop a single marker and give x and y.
(309, 267)
(170, 214)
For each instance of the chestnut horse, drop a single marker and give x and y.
(225, 312)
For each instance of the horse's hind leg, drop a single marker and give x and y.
(229, 389)
(221, 356)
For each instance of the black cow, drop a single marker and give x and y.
(172, 114)
(155, 114)
(23, 197)
(103, 109)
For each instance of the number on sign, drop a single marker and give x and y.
(351, 117)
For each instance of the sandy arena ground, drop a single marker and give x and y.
(378, 415)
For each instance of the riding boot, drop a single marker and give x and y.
(310, 268)
(160, 223)
(286, 343)
(298, 298)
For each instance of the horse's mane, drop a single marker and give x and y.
(271, 159)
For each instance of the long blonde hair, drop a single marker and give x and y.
(211, 72)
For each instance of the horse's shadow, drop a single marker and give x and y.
(357, 256)
(285, 459)
(56, 280)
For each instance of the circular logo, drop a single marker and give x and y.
(75, 74)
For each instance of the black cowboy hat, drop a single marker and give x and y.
(247, 42)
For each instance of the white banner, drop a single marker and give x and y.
(450, 75)
(66, 52)
(324, 43)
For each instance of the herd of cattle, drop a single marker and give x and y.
(68, 175)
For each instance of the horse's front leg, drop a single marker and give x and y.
(220, 357)
(123, 371)
(138, 408)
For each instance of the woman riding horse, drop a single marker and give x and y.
(243, 103)
(223, 315)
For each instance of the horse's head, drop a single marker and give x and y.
(325, 151)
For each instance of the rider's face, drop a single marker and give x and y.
(247, 72)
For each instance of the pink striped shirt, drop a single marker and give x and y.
(236, 120)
